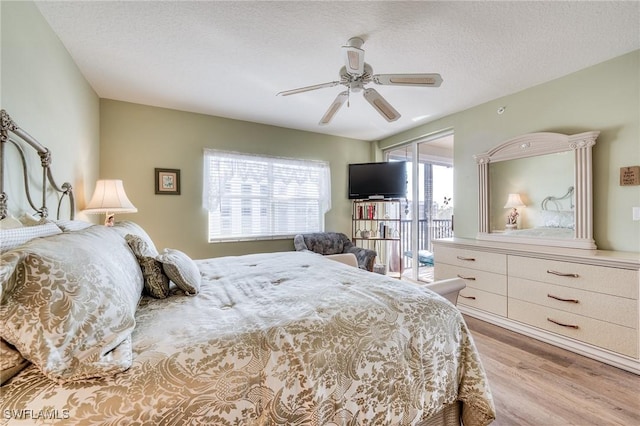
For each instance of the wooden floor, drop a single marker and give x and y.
(534, 383)
(425, 274)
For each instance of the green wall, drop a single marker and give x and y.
(42, 89)
(604, 97)
(45, 93)
(136, 139)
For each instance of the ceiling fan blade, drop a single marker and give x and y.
(307, 88)
(381, 105)
(354, 56)
(422, 80)
(335, 106)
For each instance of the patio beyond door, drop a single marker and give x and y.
(428, 209)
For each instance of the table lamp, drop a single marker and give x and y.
(513, 202)
(109, 198)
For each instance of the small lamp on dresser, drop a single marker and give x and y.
(514, 202)
(110, 198)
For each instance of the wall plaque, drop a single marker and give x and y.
(630, 175)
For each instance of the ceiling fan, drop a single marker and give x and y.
(355, 74)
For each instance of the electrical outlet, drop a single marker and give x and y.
(636, 213)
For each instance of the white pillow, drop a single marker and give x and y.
(11, 238)
(558, 219)
(72, 225)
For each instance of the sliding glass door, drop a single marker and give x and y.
(429, 205)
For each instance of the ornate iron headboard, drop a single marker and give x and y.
(554, 200)
(9, 129)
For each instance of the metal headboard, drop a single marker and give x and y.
(9, 130)
(554, 200)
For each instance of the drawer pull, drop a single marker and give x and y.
(467, 297)
(562, 274)
(466, 278)
(563, 325)
(562, 299)
(470, 259)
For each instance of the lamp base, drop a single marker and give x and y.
(510, 227)
(109, 219)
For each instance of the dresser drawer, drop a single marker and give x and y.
(483, 300)
(485, 261)
(600, 279)
(604, 307)
(482, 280)
(617, 338)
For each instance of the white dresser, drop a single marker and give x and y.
(585, 301)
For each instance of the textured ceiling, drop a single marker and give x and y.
(229, 59)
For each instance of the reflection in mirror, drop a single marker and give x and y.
(540, 169)
(534, 179)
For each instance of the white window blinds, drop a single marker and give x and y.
(257, 197)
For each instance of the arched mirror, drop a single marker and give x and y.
(537, 189)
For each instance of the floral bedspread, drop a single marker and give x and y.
(282, 338)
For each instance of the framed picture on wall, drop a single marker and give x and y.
(168, 181)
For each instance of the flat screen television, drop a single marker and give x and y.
(378, 180)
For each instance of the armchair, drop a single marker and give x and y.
(328, 243)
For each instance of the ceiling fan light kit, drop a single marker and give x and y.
(355, 74)
(354, 56)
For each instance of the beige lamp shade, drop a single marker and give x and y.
(109, 197)
(514, 201)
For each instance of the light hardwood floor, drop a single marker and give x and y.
(534, 383)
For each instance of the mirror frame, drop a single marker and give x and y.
(534, 144)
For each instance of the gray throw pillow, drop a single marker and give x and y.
(182, 270)
(156, 283)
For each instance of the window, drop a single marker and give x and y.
(257, 197)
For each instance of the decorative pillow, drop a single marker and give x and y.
(72, 225)
(567, 219)
(10, 222)
(11, 362)
(127, 227)
(69, 302)
(182, 270)
(156, 283)
(29, 220)
(11, 238)
(558, 219)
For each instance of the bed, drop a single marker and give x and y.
(554, 220)
(98, 326)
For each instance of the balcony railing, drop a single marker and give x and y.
(428, 230)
